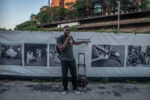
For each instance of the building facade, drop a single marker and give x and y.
(63, 3)
(43, 8)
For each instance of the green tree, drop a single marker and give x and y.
(70, 14)
(126, 5)
(44, 17)
(26, 24)
(80, 8)
(144, 4)
(51, 14)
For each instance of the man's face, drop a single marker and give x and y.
(67, 32)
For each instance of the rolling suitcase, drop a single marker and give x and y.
(82, 79)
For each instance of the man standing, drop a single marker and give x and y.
(65, 44)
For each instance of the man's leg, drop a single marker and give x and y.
(73, 72)
(64, 65)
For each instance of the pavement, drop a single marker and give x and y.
(29, 90)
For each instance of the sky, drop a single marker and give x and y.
(14, 12)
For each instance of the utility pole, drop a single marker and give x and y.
(118, 14)
(87, 7)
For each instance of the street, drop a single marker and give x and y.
(28, 90)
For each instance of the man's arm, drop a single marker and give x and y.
(81, 42)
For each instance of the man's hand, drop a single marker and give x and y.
(69, 37)
(86, 42)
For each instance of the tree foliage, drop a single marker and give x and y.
(145, 4)
(26, 24)
(51, 14)
(80, 8)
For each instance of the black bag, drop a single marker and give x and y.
(58, 51)
(82, 79)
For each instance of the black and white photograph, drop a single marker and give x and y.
(108, 55)
(35, 54)
(54, 56)
(10, 54)
(138, 55)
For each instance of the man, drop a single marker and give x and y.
(65, 44)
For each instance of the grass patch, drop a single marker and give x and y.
(135, 32)
(115, 31)
(36, 29)
(104, 80)
(73, 29)
(59, 29)
(131, 82)
(146, 32)
(2, 29)
(47, 81)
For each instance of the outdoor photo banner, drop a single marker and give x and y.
(26, 53)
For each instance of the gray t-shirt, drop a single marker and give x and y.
(67, 53)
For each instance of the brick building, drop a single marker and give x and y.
(64, 3)
(43, 8)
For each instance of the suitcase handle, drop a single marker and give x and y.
(81, 64)
(80, 54)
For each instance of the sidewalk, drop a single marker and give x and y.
(25, 90)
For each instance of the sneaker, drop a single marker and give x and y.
(64, 92)
(77, 91)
